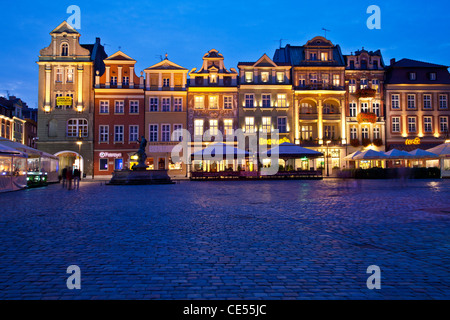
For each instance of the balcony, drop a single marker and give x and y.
(320, 86)
(315, 143)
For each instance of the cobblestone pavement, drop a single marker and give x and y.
(228, 240)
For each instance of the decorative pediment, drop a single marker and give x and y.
(165, 65)
(64, 27)
(120, 56)
(265, 61)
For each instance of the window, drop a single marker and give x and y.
(427, 101)
(199, 102)
(375, 64)
(313, 56)
(228, 126)
(265, 100)
(198, 127)
(213, 102)
(126, 81)
(69, 75)
(313, 78)
(177, 104)
(280, 77)
(266, 124)
(427, 124)
(165, 104)
(281, 101)
(376, 108)
(153, 104)
(328, 108)
(353, 133)
(302, 80)
(248, 76)
(329, 132)
(433, 76)
(153, 132)
(324, 56)
(395, 101)
(364, 107)
(114, 81)
(119, 107)
(352, 85)
(103, 164)
(264, 76)
(443, 124)
(134, 107)
(118, 164)
(376, 85)
(376, 133)
(134, 133)
(59, 74)
(411, 101)
(213, 78)
(213, 127)
(352, 64)
(77, 128)
(352, 108)
(249, 100)
(282, 124)
(412, 124)
(365, 133)
(336, 80)
(363, 83)
(412, 76)
(64, 50)
(165, 132)
(166, 82)
(443, 101)
(104, 133)
(325, 79)
(228, 102)
(249, 125)
(177, 134)
(118, 133)
(395, 124)
(104, 107)
(364, 64)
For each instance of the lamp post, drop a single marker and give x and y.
(328, 166)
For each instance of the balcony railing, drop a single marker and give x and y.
(319, 86)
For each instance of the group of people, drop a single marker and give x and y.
(68, 174)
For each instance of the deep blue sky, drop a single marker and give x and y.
(240, 30)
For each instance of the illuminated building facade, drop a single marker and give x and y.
(364, 80)
(265, 99)
(318, 73)
(417, 104)
(66, 97)
(212, 98)
(119, 114)
(165, 114)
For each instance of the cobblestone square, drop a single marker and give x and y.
(228, 240)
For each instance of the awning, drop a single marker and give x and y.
(212, 152)
(8, 151)
(398, 154)
(371, 155)
(441, 150)
(30, 152)
(422, 154)
(292, 151)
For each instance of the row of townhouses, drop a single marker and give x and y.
(93, 107)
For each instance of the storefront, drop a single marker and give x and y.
(13, 169)
(106, 162)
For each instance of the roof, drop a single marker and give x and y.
(409, 63)
(264, 61)
(166, 64)
(290, 150)
(119, 55)
(65, 27)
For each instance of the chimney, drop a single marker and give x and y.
(392, 61)
(97, 40)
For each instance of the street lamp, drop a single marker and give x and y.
(328, 166)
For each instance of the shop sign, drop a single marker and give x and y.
(110, 155)
(273, 141)
(410, 142)
(64, 101)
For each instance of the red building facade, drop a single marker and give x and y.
(119, 114)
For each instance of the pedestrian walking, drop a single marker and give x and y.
(69, 178)
(76, 179)
(64, 177)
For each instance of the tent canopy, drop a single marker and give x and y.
(352, 156)
(370, 155)
(398, 154)
(220, 149)
(292, 151)
(8, 151)
(419, 153)
(441, 150)
(31, 152)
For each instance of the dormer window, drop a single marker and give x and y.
(264, 77)
(313, 56)
(213, 78)
(352, 64)
(324, 56)
(280, 77)
(433, 76)
(364, 64)
(248, 76)
(412, 76)
(64, 50)
(375, 64)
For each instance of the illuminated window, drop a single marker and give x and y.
(104, 107)
(228, 102)
(213, 102)
(363, 83)
(395, 101)
(70, 75)
(165, 132)
(443, 101)
(118, 133)
(412, 76)
(428, 124)
(213, 78)
(153, 132)
(352, 85)
(325, 79)
(77, 128)
(365, 133)
(213, 127)
(328, 132)
(376, 85)
(153, 104)
(266, 124)
(134, 133)
(353, 133)
(280, 77)
(281, 100)
(264, 76)
(59, 75)
(376, 133)
(249, 124)
(178, 104)
(396, 124)
(104, 133)
(376, 109)
(336, 80)
(352, 108)
(248, 76)
(165, 104)
(307, 131)
(427, 101)
(324, 56)
(119, 107)
(411, 101)
(249, 101)
(228, 126)
(266, 101)
(198, 127)
(64, 50)
(177, 134)
(412, 124)
(199, 102)
(103, 164)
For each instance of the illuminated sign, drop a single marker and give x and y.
(110, 155)
(270, 141)
(64, 101)
(410, 142)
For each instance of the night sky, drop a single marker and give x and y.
(240, 30)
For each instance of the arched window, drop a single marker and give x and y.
(77, 128)
(64, 50)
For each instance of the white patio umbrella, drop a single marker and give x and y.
(370, 155)
(352, 156)
(441, 150)
(398, 154)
